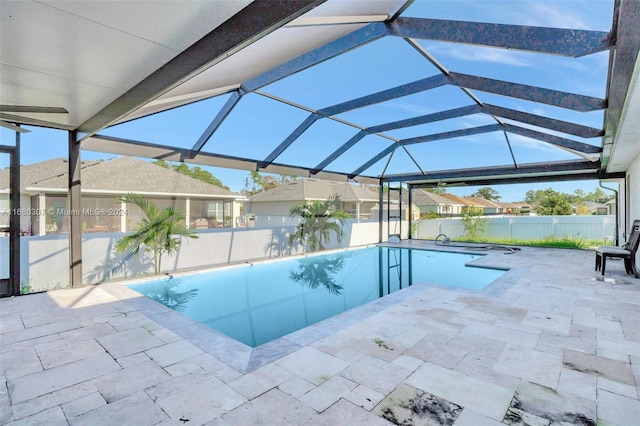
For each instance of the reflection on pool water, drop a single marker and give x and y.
(260, 302)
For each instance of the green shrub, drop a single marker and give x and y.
(570, 242)
(429, 215)
(474, 224)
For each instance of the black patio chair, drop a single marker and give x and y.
(626, 252)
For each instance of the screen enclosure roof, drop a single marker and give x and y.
(422, 92)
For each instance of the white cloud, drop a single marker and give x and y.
(409, 106)
(554, 15)
(480, 54)
(527, 143)
(496, 56)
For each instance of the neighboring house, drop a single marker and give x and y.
(415, 212)
(44, 188)
(429, 202)
(278, 201)
(611, 206)
(595, 208)
(488, 207)
(465, 202)
(511, 208)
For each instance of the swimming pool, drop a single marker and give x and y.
(257, 303)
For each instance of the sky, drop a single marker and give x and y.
(258, 124)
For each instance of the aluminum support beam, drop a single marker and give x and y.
(308, 122)
(33, 121)
(374, 160)
(256, 20)
(459, 175)
(320, 54)
(217, 121)
(452, 134)
(14, 219)
(546, 122)
(338, 152)
(375, 98)
(387, 95)
(103, 143)
(410, 202)
(426, 138)
(519, 179)
(380, 216)
(13, 127)
(527, 118)
(425, 119)
(511, 114)
(33, 109)
(530, 93)
(536, 94)
(544, 137)
(554, 140)
(626, 16)
(513, 157)
(557, 41)
(75, 208)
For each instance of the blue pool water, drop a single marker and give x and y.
(261, 302)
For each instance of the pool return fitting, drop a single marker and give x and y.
(446, 241)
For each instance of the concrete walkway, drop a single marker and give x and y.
(546, 344)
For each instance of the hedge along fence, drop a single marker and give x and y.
(525, 227)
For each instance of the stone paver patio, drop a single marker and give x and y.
(546, 344)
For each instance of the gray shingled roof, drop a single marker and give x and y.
(123, 174)
(313, 189)
(31, 174)
(482, 201)
(420, 197)
(465, 201)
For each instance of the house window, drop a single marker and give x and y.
(100, 214)
(134, 214)
(210, 214)
(57, 215)
(4, 207)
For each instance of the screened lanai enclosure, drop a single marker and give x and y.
(407, 94)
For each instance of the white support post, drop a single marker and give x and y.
(123, 216)
(42, 217)
(187, 211)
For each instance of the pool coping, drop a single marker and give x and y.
(244, 358)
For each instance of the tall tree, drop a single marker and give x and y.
(487, 193)
(319, 220)
(598, 196)
(260, 183)
(437, 190)
(159, 231)
(197, 172)
(550, 202)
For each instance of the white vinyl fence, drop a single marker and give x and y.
(45, 260)
(525, 227)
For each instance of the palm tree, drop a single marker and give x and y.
(316, 271)
(165, 292)
(160, 231)
(319, 220)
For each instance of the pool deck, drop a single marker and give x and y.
(546, 344)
